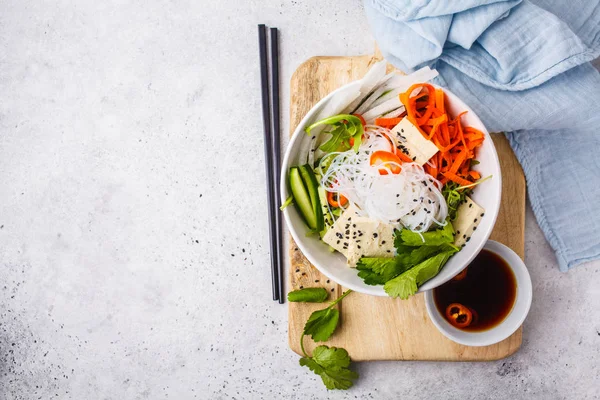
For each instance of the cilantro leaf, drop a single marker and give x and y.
(331, 356)
(308, 295)
(376, 271)
(417, 255)
(321, 324)
(438, 237)
(407, 284)
(331, 365)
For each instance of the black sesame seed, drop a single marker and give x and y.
(297, 270)
(469, 238)
(327, 280)
(354, 225)
(345, 243)
(304, 274)
(358, 246)
(475, 220)
(481, 215)
(383, 242)
(402, 130)
(470, 205)
(316, 281)
(474, 228)
(332, 289)
(415, 200)
(347, 231)
(414, 158)
(397, 195)
(458, 232)
(374, 235)
(338, 242)
(464, 236)
(301, 287)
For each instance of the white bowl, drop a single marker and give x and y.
(333, 265)
(513, 320)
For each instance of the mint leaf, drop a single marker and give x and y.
(321, 324)
(331, 365)
(407, 284)
(308, 295)
(438, 237)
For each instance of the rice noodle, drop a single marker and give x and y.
(410, 199)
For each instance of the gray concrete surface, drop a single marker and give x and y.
(133, 235)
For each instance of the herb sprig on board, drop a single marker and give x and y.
(330, 363)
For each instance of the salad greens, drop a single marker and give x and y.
(437, 237)
(407, 284)
(344, 127)
(418, 259)
(454, 194)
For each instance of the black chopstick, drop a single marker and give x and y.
(266, 110)
(276, 155)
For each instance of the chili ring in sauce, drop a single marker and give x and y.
(459, 315)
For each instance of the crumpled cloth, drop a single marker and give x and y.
(523, 66)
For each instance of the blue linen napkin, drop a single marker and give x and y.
(523, 66)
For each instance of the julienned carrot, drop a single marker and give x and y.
(385, 122)
(427, 111)
(475, 175)
(456, 178)
(458, 161)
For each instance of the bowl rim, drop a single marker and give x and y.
(508, 326)
(367, 289)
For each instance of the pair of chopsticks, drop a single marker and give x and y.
(270, 108)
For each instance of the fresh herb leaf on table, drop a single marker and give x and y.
(331, 364)
(308, 295)
(322, 323)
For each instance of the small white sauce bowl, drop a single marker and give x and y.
(513, 320)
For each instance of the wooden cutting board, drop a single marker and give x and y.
(379, 328)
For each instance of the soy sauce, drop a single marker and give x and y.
(489, 289)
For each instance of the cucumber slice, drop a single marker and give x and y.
(324, 210)
(310, 181)
(302, 198)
